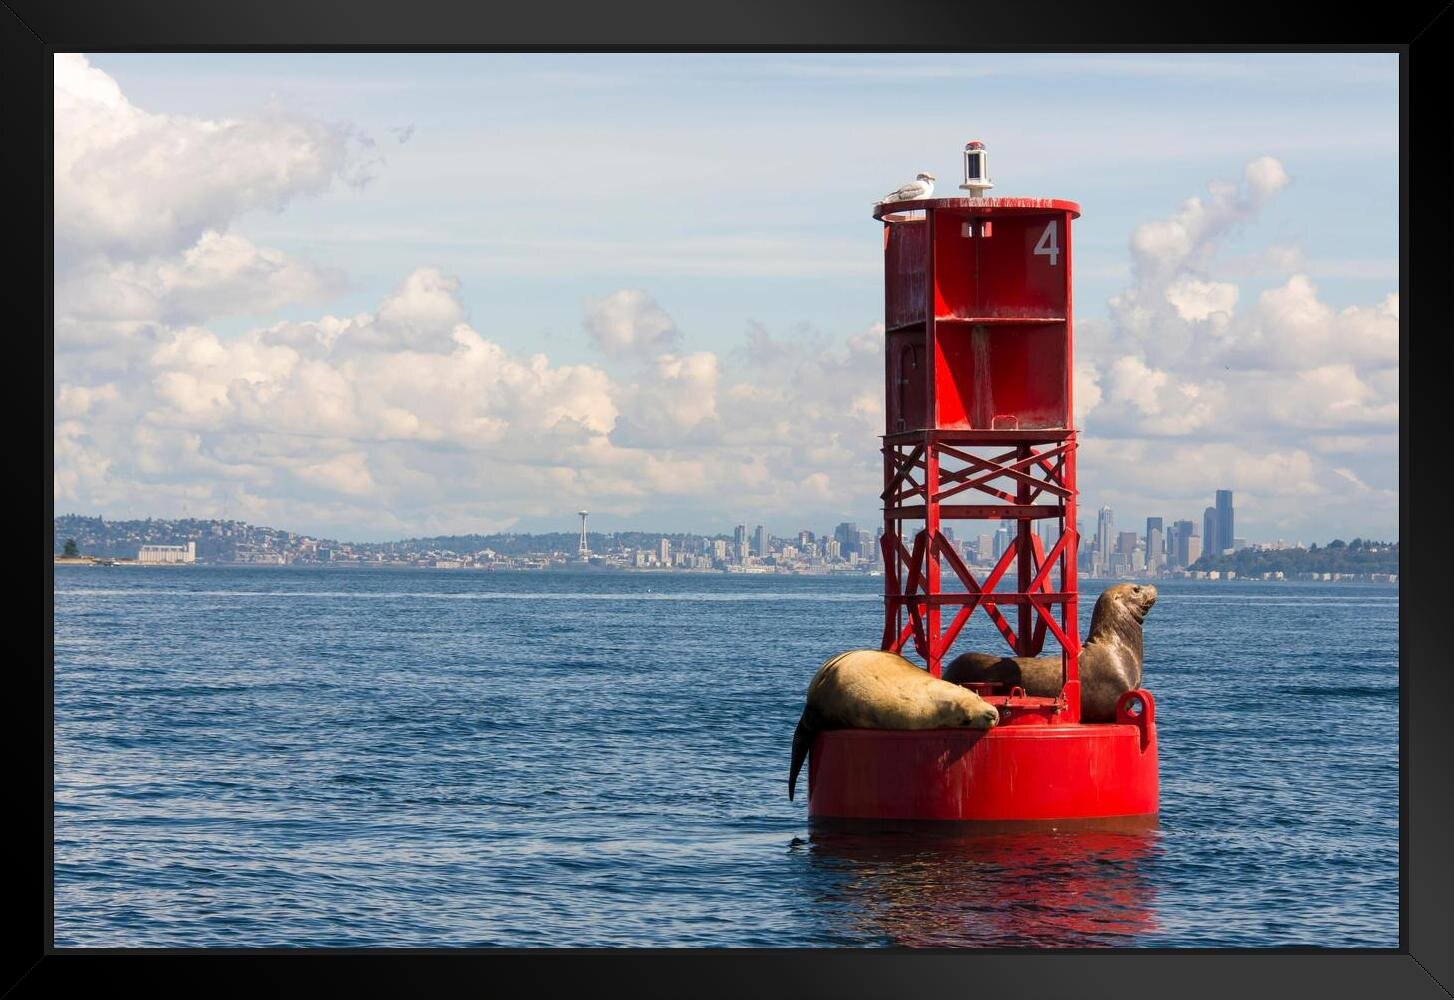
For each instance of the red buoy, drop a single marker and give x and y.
(978, 375)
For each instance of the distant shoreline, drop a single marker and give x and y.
(375, 567)
(107, 561)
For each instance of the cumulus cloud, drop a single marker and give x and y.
(1152, 402)
(1291, 328)
(1253, 395)
(143, 202)
(133, 183)
(673, 400)
(1188, 238)
(342, 412)
(629, 322)
(1196, 300)
(220, 275)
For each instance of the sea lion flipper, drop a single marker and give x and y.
(803, 738)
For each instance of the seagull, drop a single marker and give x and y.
(920, 187)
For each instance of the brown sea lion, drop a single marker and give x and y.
(873, 689)
(1110, 659)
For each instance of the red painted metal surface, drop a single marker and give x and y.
(978, 403)
(978, 381)
(1030, 771)
(904, 271)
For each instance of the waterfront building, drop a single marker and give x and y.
(167, 553)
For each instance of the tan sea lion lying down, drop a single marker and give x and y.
(1110, 659)
(873, 689)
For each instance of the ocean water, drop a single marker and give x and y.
(328, 757)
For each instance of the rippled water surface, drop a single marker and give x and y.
(263, 757)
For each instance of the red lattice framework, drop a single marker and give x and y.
(991, 475)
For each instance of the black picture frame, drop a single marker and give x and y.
(1422, 965)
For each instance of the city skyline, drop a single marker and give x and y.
(305, 289)
(746, 537)
(845, 549)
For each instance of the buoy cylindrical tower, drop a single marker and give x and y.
(978, 377)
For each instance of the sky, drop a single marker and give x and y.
(370, 296)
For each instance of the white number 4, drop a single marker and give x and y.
(1047, 245)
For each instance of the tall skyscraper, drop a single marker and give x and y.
(1002, 541)
(1126, 542)
(1155, 551)
(666, 551)
(1225, 536)
(1049, 534)
(759, 542)
(847, 535)
(1209, 531)
(1105, 527)
(1185, 532)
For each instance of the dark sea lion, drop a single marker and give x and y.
(1110, 659)
(873, 689)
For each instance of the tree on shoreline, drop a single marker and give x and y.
(71, 551)
(1358, 556)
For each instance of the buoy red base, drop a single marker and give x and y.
(1059, 771)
